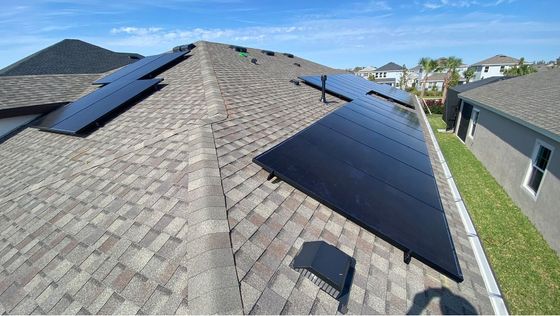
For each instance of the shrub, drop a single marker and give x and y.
(435, 105)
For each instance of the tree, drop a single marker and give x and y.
(404, 78)
(521, 69)
(451, 64)
(428, 66)
(371, 78)
(469, 74)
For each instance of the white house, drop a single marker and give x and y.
(493, 66)
(390, 74)
(366, 72)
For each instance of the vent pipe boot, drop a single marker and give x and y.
(323, 83)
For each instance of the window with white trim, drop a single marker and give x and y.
(537, 169)
(486, 68)
(474, 122)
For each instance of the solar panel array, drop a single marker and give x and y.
(120, 88)
(354, 87)
(368, 160)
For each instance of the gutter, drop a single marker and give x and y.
(494, 293)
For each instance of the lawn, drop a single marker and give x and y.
(527, 269)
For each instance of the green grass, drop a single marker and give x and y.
(527, 269)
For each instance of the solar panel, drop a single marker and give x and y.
(368, 161)
(78, 116)
(353, 87)
(145, 67)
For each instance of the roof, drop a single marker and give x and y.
(37, 91)
(69, 56)
(437, 76)
(367, 69)
(385, 80)
(475, 84)
(497, 60)
(163, 211)
(390, 67)
(530, 100)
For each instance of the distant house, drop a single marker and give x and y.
(435, 81)
(366, 72)
(389, 74)
(493, 66)
(512, 127)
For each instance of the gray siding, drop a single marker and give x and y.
(505, 148)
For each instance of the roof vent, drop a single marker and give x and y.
(183, 48)
(328, 267)
(267, 52)
(294, 81)
(254, 61)
(134, 57)
(297, 64)
(288, 55)
(240, 49)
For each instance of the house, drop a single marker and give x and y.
(366, 72)
(159, 208)
(70, 56)
(389, 74)
(493, 66)
(435, 81)
(512, 127)
(453, 103)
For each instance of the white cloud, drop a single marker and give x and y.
(136, 30)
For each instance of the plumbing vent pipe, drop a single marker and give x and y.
(323, 84)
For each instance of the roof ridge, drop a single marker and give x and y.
(212, 92)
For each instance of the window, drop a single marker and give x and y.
(474, 121)
(486, 68)
(537, 168)
(502, 68)
(384, 75)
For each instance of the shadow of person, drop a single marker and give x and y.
(449, 303)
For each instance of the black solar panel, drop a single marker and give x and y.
(368, 160)
(143, 68)
(354, 87)
(78, 116)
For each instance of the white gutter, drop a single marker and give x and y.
(494, 293)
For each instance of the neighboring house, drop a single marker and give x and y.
(160, 209)
(512, 127)
(366, 72)
(389, 74)
(435, 81)
(70, 56)
(493, 66)
(453, 103)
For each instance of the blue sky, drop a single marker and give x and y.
(340, 34)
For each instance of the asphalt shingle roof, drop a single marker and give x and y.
(36, 90)
(390, 67)
(497, 60)
(69, 56)
(162, 211)
(531, 98)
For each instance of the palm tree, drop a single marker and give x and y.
(428, 66)
(404, 78)
(469, 74)
(520, 69)
(451, 63)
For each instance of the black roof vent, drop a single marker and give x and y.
(183, 48)
(288, 55)
(267, 52)
(134, 57)
(326, 266)
(295, 81)
(254, 61)
(297, 64)
(240, 49)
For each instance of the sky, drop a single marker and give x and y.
(341, 34)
